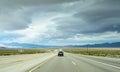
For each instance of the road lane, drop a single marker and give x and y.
(58, 64)
(111, 61)
(80, 63)
(89, 64)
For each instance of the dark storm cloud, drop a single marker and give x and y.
(17, 14)
(13, 19)
(31, 2)
(97, 17)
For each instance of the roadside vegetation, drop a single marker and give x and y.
(109, 52)
(21, 51)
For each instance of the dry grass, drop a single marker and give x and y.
(21, 51)
(111, 52)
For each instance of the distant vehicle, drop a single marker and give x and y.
(60, 53)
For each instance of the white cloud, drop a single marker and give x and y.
(7, 46)
(35, 32)
(2, 45)
(106, 36)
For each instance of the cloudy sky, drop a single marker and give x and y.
(59, 22)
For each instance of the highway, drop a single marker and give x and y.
(79, 63)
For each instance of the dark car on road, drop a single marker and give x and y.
(60, 53)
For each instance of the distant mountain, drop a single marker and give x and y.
(1, 48)
(115, 44)
(25, 45)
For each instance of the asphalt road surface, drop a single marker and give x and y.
(79, 63)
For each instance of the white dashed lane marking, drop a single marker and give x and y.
(74, 63)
